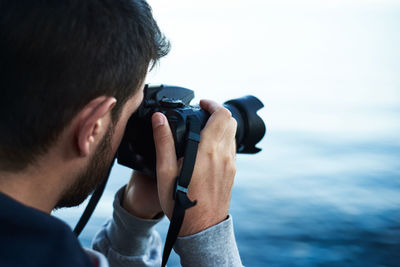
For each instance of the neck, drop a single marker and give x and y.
(39, 186)
(31, 190)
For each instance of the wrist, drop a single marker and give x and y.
(138, 207)
(196, 223)
(140, 213)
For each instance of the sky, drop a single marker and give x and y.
(321, 66)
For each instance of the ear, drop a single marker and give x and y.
(93, 121)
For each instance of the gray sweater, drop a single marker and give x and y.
(128, 241)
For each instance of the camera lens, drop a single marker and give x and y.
(250, 127)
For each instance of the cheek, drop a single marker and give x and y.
(119, 129)
(118, 134)
(128, 110)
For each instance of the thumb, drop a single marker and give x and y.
(165, 149)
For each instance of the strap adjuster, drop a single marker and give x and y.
(180, 196)
(178, 188)
(181, 188)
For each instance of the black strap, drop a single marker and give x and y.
(94, 199)
(182, 202)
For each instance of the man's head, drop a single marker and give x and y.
(56, 58)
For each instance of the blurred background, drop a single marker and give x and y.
(325, 190)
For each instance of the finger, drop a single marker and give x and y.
(230, 130)
(229, 140)
(209, 105)
(217, 123)
(165, 149)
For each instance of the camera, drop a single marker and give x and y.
(137, 149)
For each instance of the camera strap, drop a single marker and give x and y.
(94, 199)
(182, 202)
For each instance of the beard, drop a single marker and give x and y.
(92, 176)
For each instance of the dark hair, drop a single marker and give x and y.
(56, 56)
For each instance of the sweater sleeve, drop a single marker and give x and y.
(215, 246)
(127, 240)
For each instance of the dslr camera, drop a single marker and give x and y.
(137, 149)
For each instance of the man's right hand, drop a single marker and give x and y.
(214, 171)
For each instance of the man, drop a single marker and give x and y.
(72, 73)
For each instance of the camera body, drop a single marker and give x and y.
(137, 149)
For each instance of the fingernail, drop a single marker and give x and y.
(158, 120)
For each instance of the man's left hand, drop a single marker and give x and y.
(141, 196)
